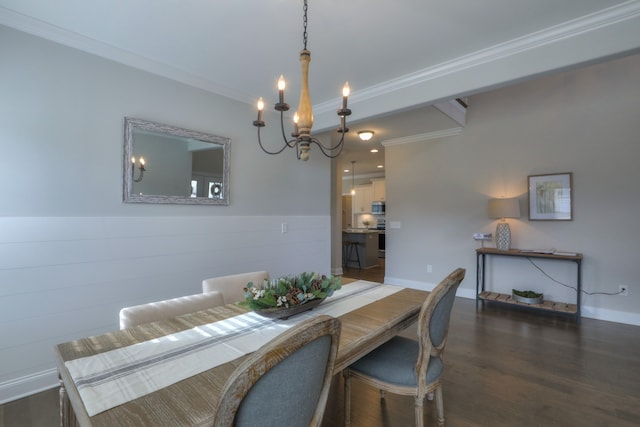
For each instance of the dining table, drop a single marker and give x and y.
(192, 401)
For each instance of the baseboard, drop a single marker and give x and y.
(588, 312)
(28, 385)
(611, 315)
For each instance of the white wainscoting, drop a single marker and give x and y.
(66, 278)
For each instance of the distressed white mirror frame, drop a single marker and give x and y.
(132, 124)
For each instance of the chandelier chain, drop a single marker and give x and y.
(304, 25)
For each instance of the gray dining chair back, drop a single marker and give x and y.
(412, 367)
(166, 309)
(285, 382)
(231, 287)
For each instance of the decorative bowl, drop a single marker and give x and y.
(286, 312)
(527, 297)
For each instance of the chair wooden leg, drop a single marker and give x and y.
(440, 406)
(347, 397)
(419, 409)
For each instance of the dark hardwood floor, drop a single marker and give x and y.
(503, 367)
(506, 367)
(374, 274)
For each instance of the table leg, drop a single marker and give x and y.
(67, 416)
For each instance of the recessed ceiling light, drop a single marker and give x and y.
(374, 150)
(346, 171)
(380, 166)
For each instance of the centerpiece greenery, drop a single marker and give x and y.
(289, 291)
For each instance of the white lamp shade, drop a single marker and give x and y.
(504, 208)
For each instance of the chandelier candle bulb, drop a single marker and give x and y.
(281, 86)
(259, 122)
(295, 132)
(345, 95)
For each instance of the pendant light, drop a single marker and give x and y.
(353, 177)
(303, 119)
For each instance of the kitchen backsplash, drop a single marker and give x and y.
(371, 219)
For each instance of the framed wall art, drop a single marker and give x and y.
(550, 197)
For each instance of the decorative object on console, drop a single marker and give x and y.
(527, 297)
(288, 295)
(503, 208)
(303, 119)
(550, 197)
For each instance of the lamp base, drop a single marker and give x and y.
(503, 236)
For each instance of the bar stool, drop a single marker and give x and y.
(348, 246)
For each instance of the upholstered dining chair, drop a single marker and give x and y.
(160, 310)
(409, 367)
(231, 287)
(285, 382)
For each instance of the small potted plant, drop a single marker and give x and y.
(289, 295)
(366, 223)
(527, 297)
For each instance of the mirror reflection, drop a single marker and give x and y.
(166, 164)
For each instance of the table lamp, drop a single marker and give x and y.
(503, 208)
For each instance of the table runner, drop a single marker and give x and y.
(118, 376)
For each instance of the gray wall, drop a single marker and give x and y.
(72, 254)
(583, 121)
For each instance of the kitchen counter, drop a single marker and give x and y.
(363, 231)
(367, 239)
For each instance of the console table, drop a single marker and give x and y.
(550, 306)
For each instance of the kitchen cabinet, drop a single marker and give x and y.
(362, 199)
(378, 189)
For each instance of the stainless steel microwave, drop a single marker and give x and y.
(377, 208)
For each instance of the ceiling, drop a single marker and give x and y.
(398, 57)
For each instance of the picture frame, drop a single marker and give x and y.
(550, 197)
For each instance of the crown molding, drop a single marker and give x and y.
(573, 28)
(59, 35)
(422, 137)
(570, 29)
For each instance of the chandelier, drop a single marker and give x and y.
(303, 119)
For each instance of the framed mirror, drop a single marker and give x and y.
(167, 164)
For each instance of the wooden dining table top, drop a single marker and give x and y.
(192, 402)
